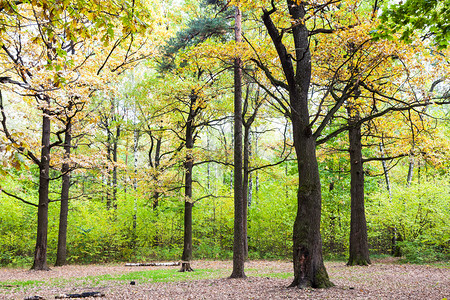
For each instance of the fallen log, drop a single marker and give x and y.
(82, 295)
(152, 264)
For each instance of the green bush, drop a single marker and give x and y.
(419, 252)
(419, 217)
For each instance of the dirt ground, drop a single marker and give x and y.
(381, 280)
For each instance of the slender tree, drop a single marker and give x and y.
(194, 110)
(61, 253)
(359, 247)
(246, 183)
(239, 205)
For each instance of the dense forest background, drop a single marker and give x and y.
(126, 86)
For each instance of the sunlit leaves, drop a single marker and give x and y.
(431, 17)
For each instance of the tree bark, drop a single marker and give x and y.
(114, 180)
(245, 184)
(256, 174)
(309, 269)
(61, 254)
(247, 181)
(359, 247)
(40, 253)
(188, 204)
(108, 175)
(239, 206)
(135, 151)
(155, 165)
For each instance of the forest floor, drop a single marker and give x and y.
(384, 279)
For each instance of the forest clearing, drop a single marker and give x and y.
(384, 279)
(269, 137)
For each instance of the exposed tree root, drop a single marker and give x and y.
(186, 267)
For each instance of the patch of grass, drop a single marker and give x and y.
(20, 284)
(169, 275)
(143, 276)
(138, 277)
(153, 276)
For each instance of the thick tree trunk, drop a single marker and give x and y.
(309, 269)
(359, 247)
(239, 210)
(61, 254)
(40, 253)
(187, 250)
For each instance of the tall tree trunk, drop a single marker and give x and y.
(239, 206)
(359, 247)
(156, 193)
(256, 173)
(135, 150)
(250, 177)
(40, 253)
(247, 181)
(188, 204)
(250, 191)
(154, 163)
(245, 184)
(208, 165)
(309, 269)
(108, 175)
(114, 179)
(61, 254)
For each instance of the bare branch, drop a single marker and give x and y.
(18, 198)
(384, 158)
